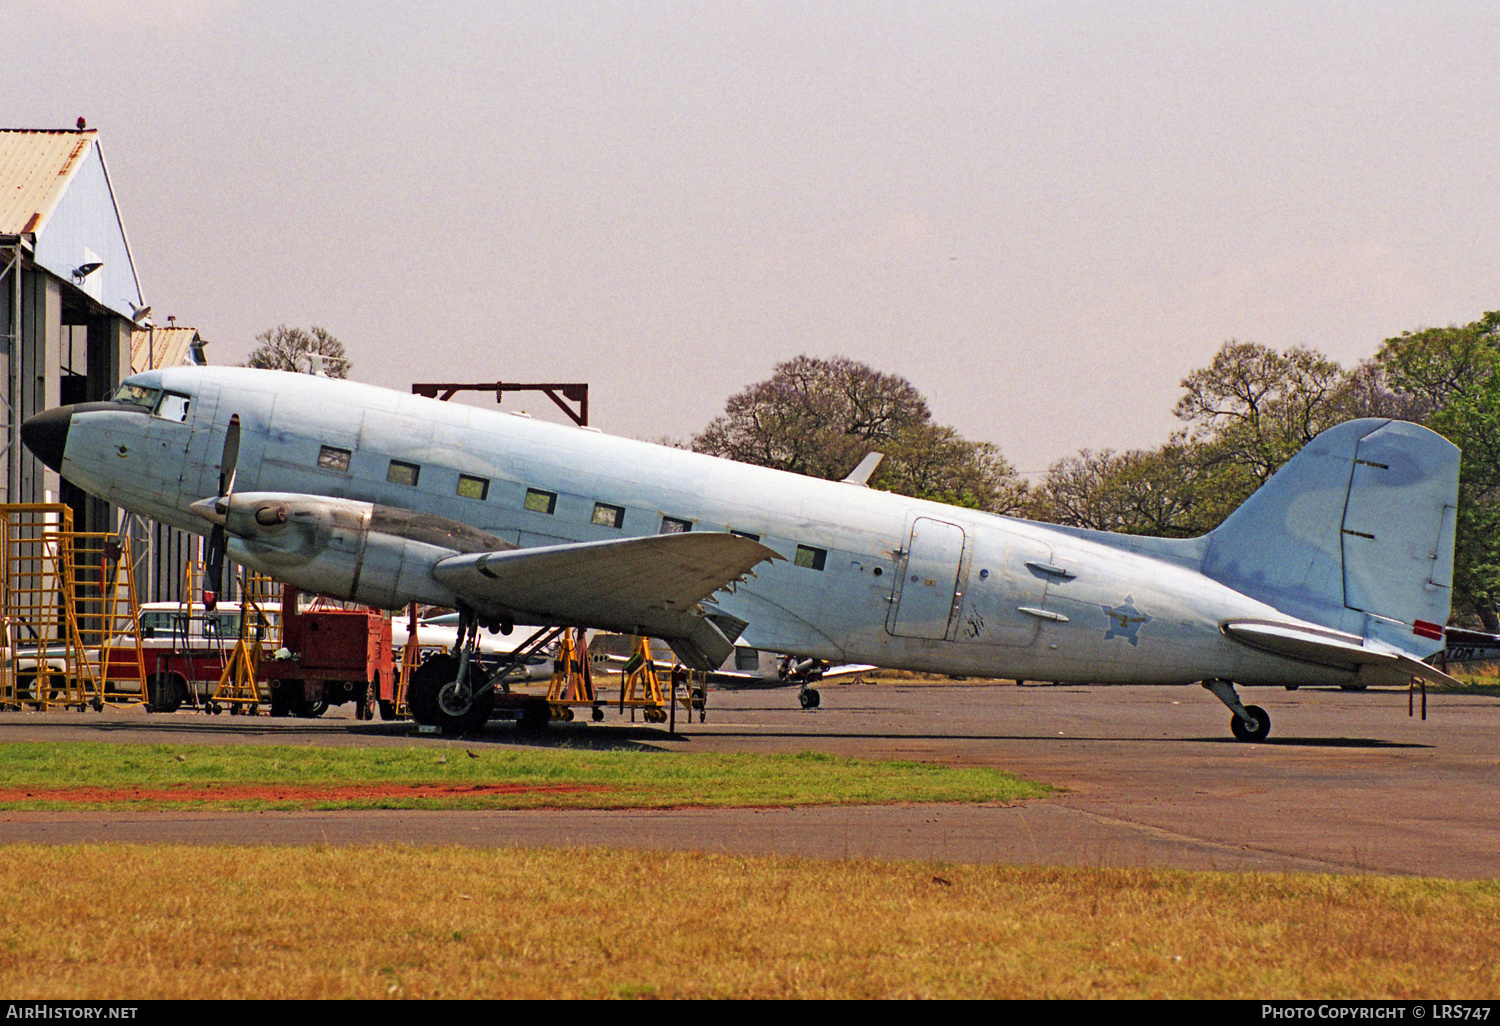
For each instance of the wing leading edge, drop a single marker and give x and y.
(648, 585)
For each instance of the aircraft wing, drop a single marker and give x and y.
(1327, 648)
(648, 585)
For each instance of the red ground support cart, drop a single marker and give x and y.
(333, 656)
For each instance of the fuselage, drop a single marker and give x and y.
(867, 576)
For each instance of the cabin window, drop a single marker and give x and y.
(137, 395)
(810, 557)
(539, 501)
(403, 473)
(332, 458)
(473, 487)
(744, 534)
(606, 515)
(672, 525)
(173, 406)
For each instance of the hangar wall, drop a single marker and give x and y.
(65, 336)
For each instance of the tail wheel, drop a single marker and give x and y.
(1251, 732)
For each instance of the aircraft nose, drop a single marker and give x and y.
(46, 435)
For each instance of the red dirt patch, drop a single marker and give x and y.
(279, 792)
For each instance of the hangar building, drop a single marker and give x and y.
(68, 298)
(73, 324)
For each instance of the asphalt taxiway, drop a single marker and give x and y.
(1150, 777)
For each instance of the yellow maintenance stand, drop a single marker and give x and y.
(99, 574)
(641, 687)
(572, 678)
(411, 658)
(239, 688)
(68, 612)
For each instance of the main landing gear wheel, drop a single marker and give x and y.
(810, 698)
(436, 699)
(1247, 732)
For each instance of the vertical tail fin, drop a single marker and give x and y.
(1355, 533)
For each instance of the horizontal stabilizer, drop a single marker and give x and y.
(648, 585)
(1327, 648)
(1309, 644)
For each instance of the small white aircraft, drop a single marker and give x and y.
(1337, 572)
(440, 634)
(750, 669)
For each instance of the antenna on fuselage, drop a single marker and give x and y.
(860, 475)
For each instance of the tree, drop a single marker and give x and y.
(1255, 408)
(292, 349)
(1249, 411)
(1435, 365)
(1166, 492)
(821, 417)
(932, 462)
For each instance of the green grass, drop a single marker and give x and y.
(54, 776)
(1474, 684)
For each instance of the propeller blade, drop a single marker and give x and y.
(213, 581)
(229, 461)
(213, 578)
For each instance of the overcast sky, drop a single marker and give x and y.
(1043, 214)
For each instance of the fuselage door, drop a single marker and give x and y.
(927, 591)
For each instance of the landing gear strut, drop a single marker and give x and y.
(809, 671)
(1249, 722)
(452, 691)
(449, 691)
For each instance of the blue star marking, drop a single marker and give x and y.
(1125, 621)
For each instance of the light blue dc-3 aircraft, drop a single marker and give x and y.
(1337, 572)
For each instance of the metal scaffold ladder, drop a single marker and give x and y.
(38, 610)
(105, 622)
(239, 688)
(642, 687)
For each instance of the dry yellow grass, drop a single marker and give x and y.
(121, 922)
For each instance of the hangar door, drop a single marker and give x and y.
(928, 586)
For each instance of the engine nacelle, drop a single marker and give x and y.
(377, 555)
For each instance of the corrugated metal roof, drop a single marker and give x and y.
(35, 166)
(169, 347)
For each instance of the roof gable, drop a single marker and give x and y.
(55, 185)
(35, 168)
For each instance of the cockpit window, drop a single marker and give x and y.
(136, 395)
(173, 406)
